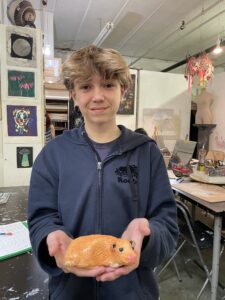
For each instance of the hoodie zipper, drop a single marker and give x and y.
(99, 198)
(99, 190)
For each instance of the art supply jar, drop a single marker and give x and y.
(201, 159)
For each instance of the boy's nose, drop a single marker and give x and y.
(98, 94)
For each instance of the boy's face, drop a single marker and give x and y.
(98, 99)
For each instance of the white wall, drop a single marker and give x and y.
(1, 155)
(165, 91)
(217, 88)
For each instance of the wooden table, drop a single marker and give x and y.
(210, 198)
(21, 277)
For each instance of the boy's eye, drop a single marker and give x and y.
(109, 85)
(85, 87)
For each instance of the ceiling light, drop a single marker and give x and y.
(218, 48)
(103, 34)
(47, 50)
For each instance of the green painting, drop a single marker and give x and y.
(21, 84)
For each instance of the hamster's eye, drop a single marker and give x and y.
(121, 249)
(114, 246)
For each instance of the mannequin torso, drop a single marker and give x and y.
(204, 101)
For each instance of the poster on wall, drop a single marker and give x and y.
(24, 157)
(21, 84)
(21, 120)
(163, 125)
(127, 104)
(21, 47)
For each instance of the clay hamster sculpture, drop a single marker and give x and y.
(99, 250)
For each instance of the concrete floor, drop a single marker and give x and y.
(192, 277)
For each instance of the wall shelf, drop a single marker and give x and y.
(57, 106)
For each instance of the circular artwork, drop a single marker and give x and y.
(21, 47)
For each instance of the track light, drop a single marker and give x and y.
(218, 48)
(103, 34)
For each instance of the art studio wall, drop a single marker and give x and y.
(217, 137)
(21, 105)
(164, 106)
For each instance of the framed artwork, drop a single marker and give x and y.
(21, 120)
(21, 47)
(127, 105)
(24, 157)
(21, 84)
(163, 125)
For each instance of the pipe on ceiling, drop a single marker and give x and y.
(175, 31)
(184, 61)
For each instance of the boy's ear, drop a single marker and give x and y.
(123, 91)
(72, 94)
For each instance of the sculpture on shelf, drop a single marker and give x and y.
(204, 101)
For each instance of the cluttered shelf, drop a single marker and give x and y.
(57, 105)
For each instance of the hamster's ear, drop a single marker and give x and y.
(132, 244)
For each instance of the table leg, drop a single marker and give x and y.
(193, 211)
(216, 256)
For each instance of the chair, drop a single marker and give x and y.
(198, 235)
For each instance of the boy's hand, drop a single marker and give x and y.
(135, 231)
(57, 242)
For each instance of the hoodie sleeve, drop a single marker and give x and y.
(162, 214)
(43, 216)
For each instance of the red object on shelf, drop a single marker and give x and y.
(180, 170)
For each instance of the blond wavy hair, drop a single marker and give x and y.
(82, 64)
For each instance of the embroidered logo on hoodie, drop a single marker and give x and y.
(122, 174)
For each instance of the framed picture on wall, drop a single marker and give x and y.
(21, 84)
(21, 47)
(163, 125)
(127, 105)
(24, 157)
(21, 120)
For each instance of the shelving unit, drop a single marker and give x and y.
(58, 111)
(57, 106)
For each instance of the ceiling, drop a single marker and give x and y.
(143, 29)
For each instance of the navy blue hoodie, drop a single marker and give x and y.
(72, 190)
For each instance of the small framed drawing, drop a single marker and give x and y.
(21, 84)
(24, 157)
(21, 47)
(21, 120)
(127, 105)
